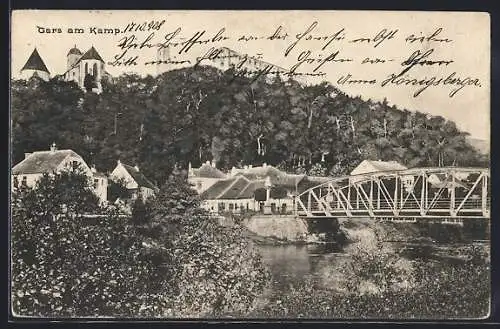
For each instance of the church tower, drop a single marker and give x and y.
(86, 70)
(73, 56)
(35, 67)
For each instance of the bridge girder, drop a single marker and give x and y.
(450, 192)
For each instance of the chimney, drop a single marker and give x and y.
(207, 163)
(249, 166)
(136, 167)
(233, 171)
(264, 165)
(245, 167)
(190, 170)
(53, 148)
(118, 162)
(26, 155)
(92, 169)
(213, 163)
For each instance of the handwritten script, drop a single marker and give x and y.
(340, 56)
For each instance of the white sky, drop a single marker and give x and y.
(469, 50)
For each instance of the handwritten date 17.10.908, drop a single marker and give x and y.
(150, 26)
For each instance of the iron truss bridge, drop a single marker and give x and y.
(446, 193)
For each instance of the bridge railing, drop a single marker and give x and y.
(448, 191)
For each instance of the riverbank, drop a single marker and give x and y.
(374, 279)
(291, 230)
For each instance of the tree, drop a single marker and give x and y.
(67, 265)
(141, 212)
(216, 270)
(67, 192)
(117, 189)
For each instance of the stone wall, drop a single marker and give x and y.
(282, 227)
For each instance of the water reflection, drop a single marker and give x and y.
(292, 264)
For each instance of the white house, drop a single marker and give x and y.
(135, 181)
(370, 166)
(100, 184)
(205, 176)
(34, 165)
(234, 194)
(237, 192)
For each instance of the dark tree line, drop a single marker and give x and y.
(200, 114)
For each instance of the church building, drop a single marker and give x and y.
(35, 67)
(87, 69)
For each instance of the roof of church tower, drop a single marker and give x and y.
(35, 62)
(74, 51)
(91, 54)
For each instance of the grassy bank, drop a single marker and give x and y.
(374, 289)
(380, 280)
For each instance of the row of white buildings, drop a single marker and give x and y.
(263, 188)
(36, 164)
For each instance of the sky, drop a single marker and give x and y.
(463, 52)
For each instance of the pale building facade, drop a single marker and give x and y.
(87, 66)
(205, 176)
(36, 164)
(135, 181)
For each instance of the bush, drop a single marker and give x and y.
(118, 190)
(64, 264)
(216, 270)
(141, 212)
(374, 269)
(439, 290)
(180, 263)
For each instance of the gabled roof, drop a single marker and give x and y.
(231, 188)
(216, 189)
(42, 162)
(35, 62)
(91, 54)
(234, 191)
(249, 191)
(138, 177)
(207, 171)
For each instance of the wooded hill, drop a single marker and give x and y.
(200, 114)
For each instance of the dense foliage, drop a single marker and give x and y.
(440, 290)
(199, 114)
(179, 262)
(217, 269)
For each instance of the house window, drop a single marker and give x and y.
(222, 206)
(86, 68)
(16, 181)
(231, 207)
(96, 182)
(74, 164)
(273, 208)
(24, 181)
(94, 71)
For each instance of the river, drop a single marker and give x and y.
(292, 264)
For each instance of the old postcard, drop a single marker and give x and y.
(250, 164)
